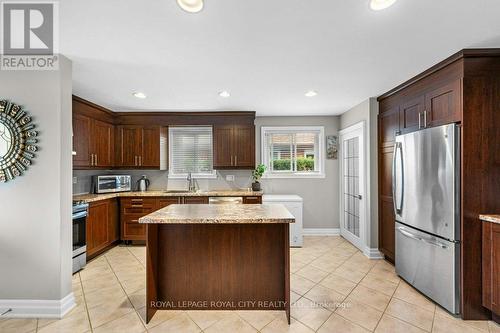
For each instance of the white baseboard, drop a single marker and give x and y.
(321, 232)
(373, 253)
(28, 308)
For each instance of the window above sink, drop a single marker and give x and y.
(190, 151)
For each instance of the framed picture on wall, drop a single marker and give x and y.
(331, 147)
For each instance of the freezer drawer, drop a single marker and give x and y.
(430, 264)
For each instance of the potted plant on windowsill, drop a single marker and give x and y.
(257, 175)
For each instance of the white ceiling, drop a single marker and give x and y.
(266, 53)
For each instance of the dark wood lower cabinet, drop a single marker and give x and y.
(102, 226)
(491, 267)
(195, 200)
(132, 209)
(252, 200)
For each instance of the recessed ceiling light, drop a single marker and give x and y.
(381, 4)
(311, 93)
(224, 94)
(139, 95)
(191, 6)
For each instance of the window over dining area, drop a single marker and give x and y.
(293, 152)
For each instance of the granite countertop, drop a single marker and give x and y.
(229, 214)
(490, 218)
(214, 193)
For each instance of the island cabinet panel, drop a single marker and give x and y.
(234, 146)
(491, 267)
(217, 266)
(138, 147)
(102, 226)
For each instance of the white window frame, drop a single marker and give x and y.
(293, 129)
(172, 175)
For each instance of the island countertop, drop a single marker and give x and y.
(219, 214)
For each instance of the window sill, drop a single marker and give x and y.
(195, 176)
(293, 176)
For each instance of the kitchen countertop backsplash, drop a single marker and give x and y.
(160, 181)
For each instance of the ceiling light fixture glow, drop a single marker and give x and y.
(139, 94)
(381, 4)
(224, 94)
(191, 6)
(311, 93)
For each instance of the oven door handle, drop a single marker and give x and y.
(79, 215)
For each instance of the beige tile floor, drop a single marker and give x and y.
(335, 288)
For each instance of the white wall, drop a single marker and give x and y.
(367, 111)
(35, 209)
(321, 195)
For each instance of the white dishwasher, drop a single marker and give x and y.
(294, 204)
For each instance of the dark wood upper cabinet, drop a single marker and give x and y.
(443, 105)
(234, 146)
(411, 115)
(223, 149)
(138, 146)
(82, 129)
(244, 146)
(103, 139)
(93, 136)
(150, 156)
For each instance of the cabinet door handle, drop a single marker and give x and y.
(91, 159)
(96, 159)
(425, 118)
(420, 119)
(135, 160)
(231, 160)
(235, 160)
(140, 160)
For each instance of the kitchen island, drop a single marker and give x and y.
(218, 257)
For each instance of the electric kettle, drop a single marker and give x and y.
(143, 184)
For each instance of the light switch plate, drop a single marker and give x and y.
(230, 178)
(75, 180)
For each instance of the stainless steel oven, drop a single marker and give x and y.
(112, 183)
(80, 212)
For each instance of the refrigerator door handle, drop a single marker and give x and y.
(428, 241)
(397, 146)
(408, 234)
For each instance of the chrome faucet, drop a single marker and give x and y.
(191, 183)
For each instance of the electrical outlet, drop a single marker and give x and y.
(230, 178)
(75, 180)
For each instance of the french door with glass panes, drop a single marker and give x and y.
(352, 202)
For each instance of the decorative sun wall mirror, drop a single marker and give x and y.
(17, 141)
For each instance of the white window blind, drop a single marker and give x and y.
(190, 150)
(293, 151)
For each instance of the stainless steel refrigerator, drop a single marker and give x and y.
(426, 192)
